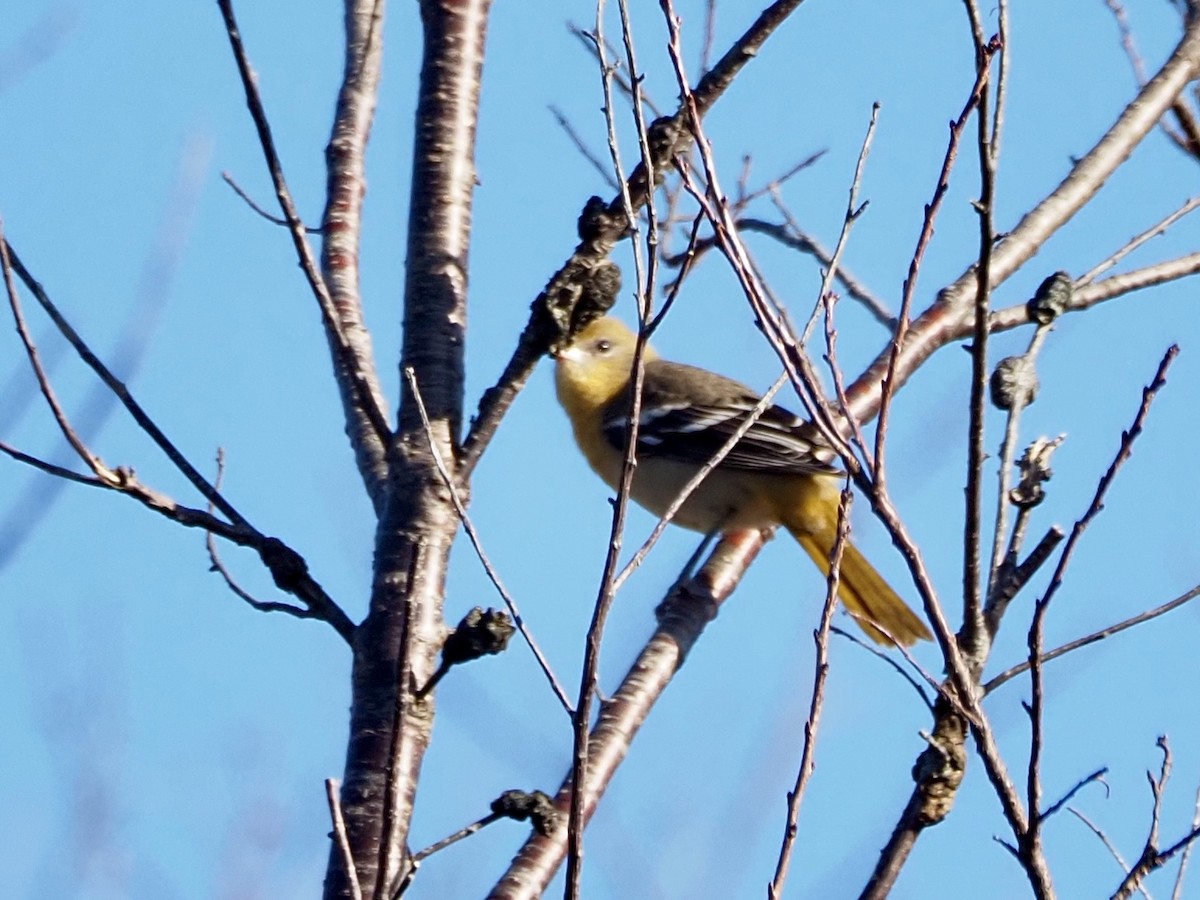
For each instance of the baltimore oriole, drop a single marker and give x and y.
(781, 472)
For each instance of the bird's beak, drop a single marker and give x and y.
(564, 351)
(568, 352)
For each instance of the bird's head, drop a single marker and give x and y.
(595, 365)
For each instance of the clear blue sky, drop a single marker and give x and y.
(162, 740)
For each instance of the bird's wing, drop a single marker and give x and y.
(688, 415)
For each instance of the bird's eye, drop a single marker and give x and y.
(603, 346)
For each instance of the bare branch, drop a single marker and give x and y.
(218, 566)
(1012, 672)
(900, 670)
(121, 392)
(473, 535)
(250, 202)
(853, 210)
(50, 468)
(950, 317)
(1097, 776)
(354, 370)
(1138, 240)
(957, 127)
(1014, 577)
(1124, 451)
(332, 786)
(790, 234)
(1030, 844)
(812, 723)
(1104, 839)
(92, 461)
(682, 618)
(1180, 876)
(1152, 858)
(464, 832)
(746, 197)
(287, 567)
(363, 400)
(857, 438)
(584, 150)
(974, 634)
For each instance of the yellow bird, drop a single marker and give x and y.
(781, 472)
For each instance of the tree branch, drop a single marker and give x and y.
(355, 372)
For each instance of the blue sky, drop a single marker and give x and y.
(163, 740)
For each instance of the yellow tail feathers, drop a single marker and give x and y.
(866, 595)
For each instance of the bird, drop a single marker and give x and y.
(781, 472)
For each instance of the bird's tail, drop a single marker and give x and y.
(870, 599)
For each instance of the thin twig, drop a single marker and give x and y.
(1117, 628)
(853, 210)
(1124, 451)
(1158, 787)
(908, 293)
(1138, 240)
(122, 393)
(857, 437)
(464, 832)
(686, 261)
(589, 41)
(218, 565)
(287, 567)
(1152, 858)
(473, 536)
(93, 462)
(790, 234)
(584, 150)
(1104, 839)
(1003, 36)
(349, 362)
(1097, 776)
(1030, 843)
(50, 468)
(250, 202)
(878, 652)
(332, 786)
(645, 269)
(812, 723)
(746, 197)
(974, 631)
(1180, 876)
